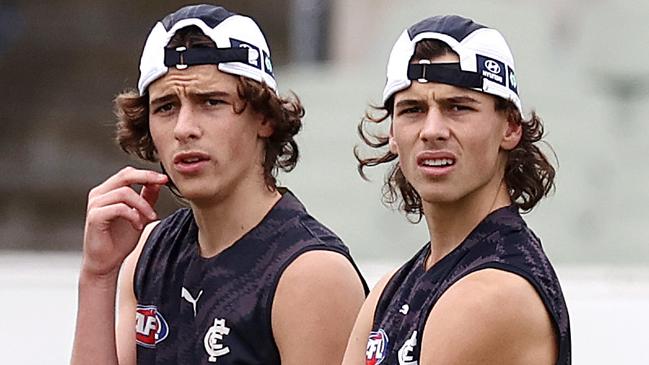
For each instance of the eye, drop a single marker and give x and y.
(214, 102)
(410, 110)
(163, 108)
(460, 108)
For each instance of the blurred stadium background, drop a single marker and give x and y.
(582, 64)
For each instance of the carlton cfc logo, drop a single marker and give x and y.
(150, 326)
(377, 347)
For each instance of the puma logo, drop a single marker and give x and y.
(404, 309)
(185, 294)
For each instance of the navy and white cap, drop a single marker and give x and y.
(486, 62)
(241, 47)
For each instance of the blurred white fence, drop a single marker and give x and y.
(608, 309)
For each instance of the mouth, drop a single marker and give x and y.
(190, 157)
(441, 162)
(436, 164)
(190, 162)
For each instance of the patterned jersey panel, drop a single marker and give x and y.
(501, 241)
(218, 309)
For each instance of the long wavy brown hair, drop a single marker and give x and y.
(284, 113)
(529, 175)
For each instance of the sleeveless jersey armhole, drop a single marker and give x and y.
(143, 251)
(547, 301)
(525, 275)
(390, 287)
(382, 303)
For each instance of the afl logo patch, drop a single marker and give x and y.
(377, 347)
(150, 326)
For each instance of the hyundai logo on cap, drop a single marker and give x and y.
(485, 62)
(492, 66)
(491, 69)
(240, 46)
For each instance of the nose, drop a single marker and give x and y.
(435, 127)
(187, 126)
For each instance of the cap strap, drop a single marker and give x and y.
(445, 73)
(183, 57)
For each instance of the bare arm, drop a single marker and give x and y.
(316, 302)
(357, 344)
(115, 218)
(489, 317)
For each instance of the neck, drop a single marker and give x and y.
(224, 221)
(449, 223)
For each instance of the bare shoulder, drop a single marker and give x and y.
(127, 303)
(127, 272)
(317, 262)
(128, 268)
(375, 295)
(319, 274)
(316, 301)
(489, 317)
(356, 346)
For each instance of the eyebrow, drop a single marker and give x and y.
(407, 103)
(210, 94)
(162, 99)
(201, 95)
(464, 99)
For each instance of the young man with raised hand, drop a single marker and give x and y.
(244, 275)
(466, 160)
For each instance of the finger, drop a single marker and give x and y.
(124, 195)
(110, 213)
(150, 193)
(129, 176)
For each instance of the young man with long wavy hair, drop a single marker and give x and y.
(244, 275)
(481, 291)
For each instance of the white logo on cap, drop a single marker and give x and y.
(492, 66)
(253, 54)
(512, 80)
(269, 66)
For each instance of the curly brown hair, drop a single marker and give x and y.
(284, 113)
(529, 175)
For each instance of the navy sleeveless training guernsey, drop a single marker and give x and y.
(196, 310)
(501, 241)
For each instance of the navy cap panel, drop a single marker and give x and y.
(210, 14)
(222, 27)
(486, 62)
(453, 25)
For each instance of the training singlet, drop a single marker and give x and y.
(501, 241)
(195, 310)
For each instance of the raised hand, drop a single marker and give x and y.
(116, 216)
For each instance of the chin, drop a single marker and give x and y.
(192, 195)
(435, 191)
(438, 198)
(442, 194)
(197, 192)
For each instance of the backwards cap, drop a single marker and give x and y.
(486, 62)
(241, 47)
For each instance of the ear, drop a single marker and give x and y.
(512, 135)
(265, 128)
(392, 143)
